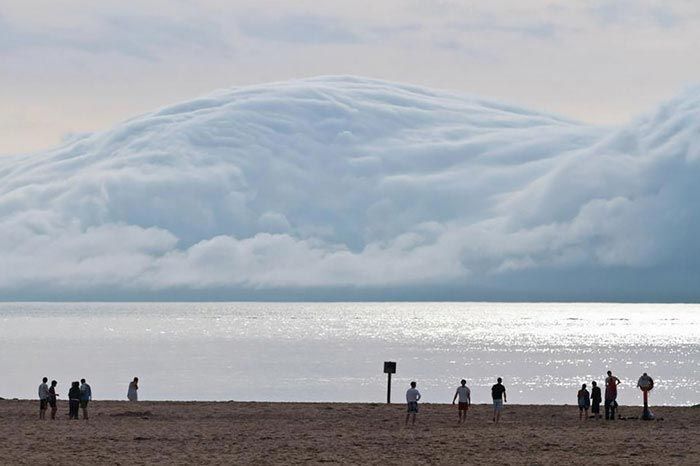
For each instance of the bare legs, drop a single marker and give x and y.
(413, 420)
(497, 412)
(462, 416)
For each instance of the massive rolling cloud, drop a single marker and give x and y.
(343, 187)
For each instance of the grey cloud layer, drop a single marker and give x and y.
(351, 184)
(142, 37)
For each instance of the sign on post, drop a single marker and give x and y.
(389, 368)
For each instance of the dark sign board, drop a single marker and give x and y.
(389, 367)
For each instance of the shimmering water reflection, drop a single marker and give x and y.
(334, 351)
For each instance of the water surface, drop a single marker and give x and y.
(334, 351)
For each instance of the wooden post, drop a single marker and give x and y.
(389, 368)
(388, 389)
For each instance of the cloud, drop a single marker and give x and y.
(134, 36)
(619, 12)
(343, 187)
(530, 29)
(305, 29)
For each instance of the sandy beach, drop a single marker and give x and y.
(301, 433)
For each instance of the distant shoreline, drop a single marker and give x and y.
(369, 300)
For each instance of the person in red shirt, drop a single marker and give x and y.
(611, 383)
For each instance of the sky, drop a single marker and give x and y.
(79, 66)
(431, 150)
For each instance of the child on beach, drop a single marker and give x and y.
(412, 397)
(464, 395)
(584, 402)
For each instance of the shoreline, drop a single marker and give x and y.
(341, 403)
(228, 432)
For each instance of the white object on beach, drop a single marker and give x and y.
(132, 394)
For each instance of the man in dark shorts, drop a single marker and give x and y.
(52, 398)
(596, 398)
(498, 393)
(43, 398)
(85, 397)
(412, 397)
(464, 395)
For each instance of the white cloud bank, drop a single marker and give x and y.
(342, 187)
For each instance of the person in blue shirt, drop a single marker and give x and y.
(85, 397)
(43, 398)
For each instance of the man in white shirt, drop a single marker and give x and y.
(43, 398)
(412, 397)
(465, 399)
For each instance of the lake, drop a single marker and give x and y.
(335, 351)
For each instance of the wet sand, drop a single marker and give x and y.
(301, 433)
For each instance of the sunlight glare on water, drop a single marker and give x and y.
(334, 351)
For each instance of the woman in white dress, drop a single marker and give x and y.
(132, 394)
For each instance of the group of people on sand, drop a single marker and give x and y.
(593, 399)
(79, 395)
(586, 400)
(463, 396)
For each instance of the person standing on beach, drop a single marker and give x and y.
(498, 393)
(412, 397)
(611, 383)
(584, 402)
(85, 397)
(132, 393)
(73, 400)
(464, 395)
(52, 398)
(596, 398)
(43, 398)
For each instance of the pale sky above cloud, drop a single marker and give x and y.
(77, 66)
